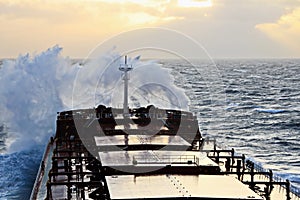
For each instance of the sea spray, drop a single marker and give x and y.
(34, 88)
(29, 97)
(246, 129)
(99, 81)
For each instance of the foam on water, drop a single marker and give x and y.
(272, 111)
(17, 173)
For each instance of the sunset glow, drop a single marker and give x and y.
(193, 3)
(285, 30)
(35, 25)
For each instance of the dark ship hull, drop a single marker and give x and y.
(150, 153)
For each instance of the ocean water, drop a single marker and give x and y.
(254, 108)
(250, 105)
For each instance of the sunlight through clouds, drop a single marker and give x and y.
(142, 18)
(44, 23)
(77, 25)
(195, 3)
(286, 30)
(139, 18)
(161, 4)
(156, 3)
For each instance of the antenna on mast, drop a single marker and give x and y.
(125, 68)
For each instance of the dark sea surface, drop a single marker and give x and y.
(250, 105)
(253, 107)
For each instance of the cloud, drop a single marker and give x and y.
(285, 30)
(76, 25)
(69, 10)
(193, 3)
(79, 25)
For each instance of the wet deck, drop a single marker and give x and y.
(122, 140)
(141, 166)
(183, 158)
(175, 186)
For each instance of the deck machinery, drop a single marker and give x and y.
(144, 153)
(150, 153)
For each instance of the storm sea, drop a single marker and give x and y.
(252, 105)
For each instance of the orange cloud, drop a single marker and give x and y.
(286, 30)
(194, 3)
(38, 24)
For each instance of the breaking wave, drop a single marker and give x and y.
(34, 88)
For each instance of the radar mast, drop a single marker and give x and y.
(125, 68)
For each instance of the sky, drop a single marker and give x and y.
(225, 28)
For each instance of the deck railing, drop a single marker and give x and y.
(166, 159)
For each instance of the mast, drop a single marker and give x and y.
(125, 68)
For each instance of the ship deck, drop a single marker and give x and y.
(176, 186)
(156, 186)
(166, 165)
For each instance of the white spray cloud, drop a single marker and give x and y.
(149, 83)
(33, 89)
(29, 96)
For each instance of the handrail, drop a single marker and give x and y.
(277, 178)
(167, 159)
(41, 171)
